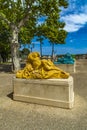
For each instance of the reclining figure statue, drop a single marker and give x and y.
(40, 69)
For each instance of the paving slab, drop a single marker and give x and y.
(16, 115)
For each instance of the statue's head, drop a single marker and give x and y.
(33, 56)
(34, 59)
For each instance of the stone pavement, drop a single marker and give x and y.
(25, 116)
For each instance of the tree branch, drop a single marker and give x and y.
(22, 22)
(26, 17)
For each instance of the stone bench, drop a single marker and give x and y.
(54, 92)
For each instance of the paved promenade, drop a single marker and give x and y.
(25, 116)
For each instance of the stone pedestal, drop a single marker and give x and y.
(70, 68)
(54, 92)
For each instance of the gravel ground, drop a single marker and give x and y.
(25, 116)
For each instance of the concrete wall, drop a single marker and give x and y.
(67, 67)
(54, 92)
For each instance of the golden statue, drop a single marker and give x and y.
(40, 69)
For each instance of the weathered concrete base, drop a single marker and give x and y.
(67, 67)
(54, 92)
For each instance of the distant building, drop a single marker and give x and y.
(81, 56)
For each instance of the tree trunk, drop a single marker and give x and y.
(15, 49)
(52, 51)
(41, 49)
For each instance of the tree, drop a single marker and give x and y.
(4, 52)
(40, 39)
(18, 14)
(4, 43)
(53, 30)
(25, 51)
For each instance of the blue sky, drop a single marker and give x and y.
(75, 17)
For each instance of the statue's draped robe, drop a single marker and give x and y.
(40, 69)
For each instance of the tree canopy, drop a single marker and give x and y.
(21, 17)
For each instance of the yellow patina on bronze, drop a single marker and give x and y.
(40, 69)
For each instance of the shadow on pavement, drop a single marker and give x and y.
(10, 95)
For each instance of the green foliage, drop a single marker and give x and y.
(25, 51)
(15, 11)
(63, 3)
(73, 56)
(52, 28)
(4, 42)
(27, 32)
(54, 33)
(24, 15)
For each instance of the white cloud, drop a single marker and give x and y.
(74, 21)
(76, 18)
(72, 27)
